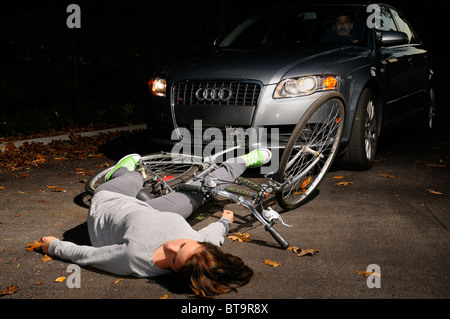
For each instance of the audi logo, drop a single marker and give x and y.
(213, 94)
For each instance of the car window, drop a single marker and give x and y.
(386, 20)
(301, 27)
(402, 25)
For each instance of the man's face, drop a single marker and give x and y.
(344, 26)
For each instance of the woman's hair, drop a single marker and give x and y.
(213, 272)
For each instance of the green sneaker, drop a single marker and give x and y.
(128, 162)
(257, 157)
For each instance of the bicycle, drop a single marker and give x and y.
(307, 156)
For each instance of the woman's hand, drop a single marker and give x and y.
(228, 214)
(46, 242)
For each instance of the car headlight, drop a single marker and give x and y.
(305, 85)
(157, 86)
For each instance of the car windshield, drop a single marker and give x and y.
(301, 27)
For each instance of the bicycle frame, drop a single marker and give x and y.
(270, 216)
(268, 226)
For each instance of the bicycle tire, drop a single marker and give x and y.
(296, 189)
(179, 169)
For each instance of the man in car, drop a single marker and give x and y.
(342, 28)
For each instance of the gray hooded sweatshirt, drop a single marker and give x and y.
(125, 232)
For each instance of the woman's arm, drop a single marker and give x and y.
(113, 258)
(214, 233)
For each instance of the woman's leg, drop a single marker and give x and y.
(184, 203)
(123, 182)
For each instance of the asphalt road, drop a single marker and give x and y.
(395, 216)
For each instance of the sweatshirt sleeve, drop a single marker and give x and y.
(214, 233)
(112, 258)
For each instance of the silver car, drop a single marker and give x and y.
(264, 76)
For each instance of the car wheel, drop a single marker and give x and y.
(360, 153)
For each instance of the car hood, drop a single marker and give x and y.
(268, 66)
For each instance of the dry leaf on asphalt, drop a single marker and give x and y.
(60, 279)
(271, 263)
(10, 290)
(367, 273)
(46, 258)
(387, 176)
(435, 192)
(241, 237)
(303, 252)
(37, 245)
(343, 183)
(435, 165)
(56, 189)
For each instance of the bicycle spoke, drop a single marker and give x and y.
(309, 158)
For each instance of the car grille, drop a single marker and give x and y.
(242, 93)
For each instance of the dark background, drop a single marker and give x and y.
(56, 78)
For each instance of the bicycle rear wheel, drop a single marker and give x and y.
(158, 171)
(310, 151)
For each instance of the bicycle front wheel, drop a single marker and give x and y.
(158, 171)
(310, 151)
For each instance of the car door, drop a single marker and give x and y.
(405, 68)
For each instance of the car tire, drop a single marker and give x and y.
(361, 150)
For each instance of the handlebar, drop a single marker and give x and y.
(277, 236)
(190, 188)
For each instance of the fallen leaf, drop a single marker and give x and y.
(367, 273)
(271, 263)
(37, 245)
(343, 183)
(166, 296)
(118, 280)
(303, 186)
(56, 189)
(307, 252)
(435, 165)
(46, 258)
(387, 176)
(60, 279)
(241, 237)
(435, 192)
(306, 182)
(303, 252)
(293, 248)
(11, 146)
(338, 177)
(10, 290)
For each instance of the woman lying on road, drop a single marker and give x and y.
(147, 239)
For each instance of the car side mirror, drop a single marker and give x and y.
(391, 38)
